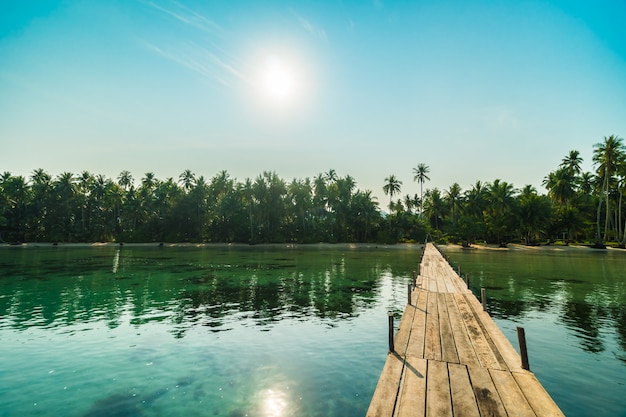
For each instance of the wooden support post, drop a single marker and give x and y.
(391, 346)
(523, 351)
(459, 268)
(408, 295)
(483, 298)
(467, 280)
(414, 278)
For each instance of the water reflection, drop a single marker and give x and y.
(583, 290)
(211, 288)
(275, 403)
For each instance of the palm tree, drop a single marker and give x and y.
(561, 185)
(125, 180)
(420, 176)
(331, 175)
(534, 214)
(572, 162)
(247, 195)
(453, 197)
(500, 208)
(392, 187)
(187, 179)
(435, 207)
(607, 155)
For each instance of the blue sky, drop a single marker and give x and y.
(476, 90)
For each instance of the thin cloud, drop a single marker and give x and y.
(188, 16)
(209, 60)
(309, 27)
(203, 62)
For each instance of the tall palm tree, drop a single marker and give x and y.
(420, 175)
(500, 208)
(607, 155)
(125, 180)
(435, 207)
(572, 162)
(453, 197)
(187, 179)
(392, 187)
(561, 185)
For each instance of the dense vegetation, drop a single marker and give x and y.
(579, 206)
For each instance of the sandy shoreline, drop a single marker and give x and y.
(415, 246)
(521, 247)
(321, 245)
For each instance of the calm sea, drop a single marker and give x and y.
(213, 331)
(572, 305)
(278, 331)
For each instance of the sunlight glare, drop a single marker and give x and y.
(278, 79)
(274, 403)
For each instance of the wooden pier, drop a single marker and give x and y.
(449, 357)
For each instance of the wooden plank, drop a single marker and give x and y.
(510, 357)
(418, 330)
(512, 397)
(492, 334)
(438, 399)
(401, 339)
(542, 404)
(432, 284)
(448, 345)
(384, 398)
(477, 338)
(464, 347)
(489, 402)
(432, 342)
(420, 280)
(463, 400)
(450, 284)
(412, 395)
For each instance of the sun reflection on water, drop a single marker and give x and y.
(275, 403)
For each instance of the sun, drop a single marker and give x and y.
(278, 80)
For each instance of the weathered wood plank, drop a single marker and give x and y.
(438, 399)
(512, 397)
(542, 404)
(432, 342)
(401, 339)
(492, 335)
(448, 345)
(418, 330)
(501, 344)
(384, 398)
(464, 347)
(412, 395)
(463, 400)
(477, 338)
(487, 397)
(450, 283)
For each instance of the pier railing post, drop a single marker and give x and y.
(467, 280)
(391, 346)
(523, 351)
(408, 295)
(483, 298)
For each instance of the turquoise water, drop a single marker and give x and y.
(278, 331)
(184, 331)
(572, 305)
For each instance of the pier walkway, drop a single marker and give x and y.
(451, 359)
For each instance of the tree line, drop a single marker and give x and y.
(579, 206)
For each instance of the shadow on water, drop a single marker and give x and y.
(128, 404)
